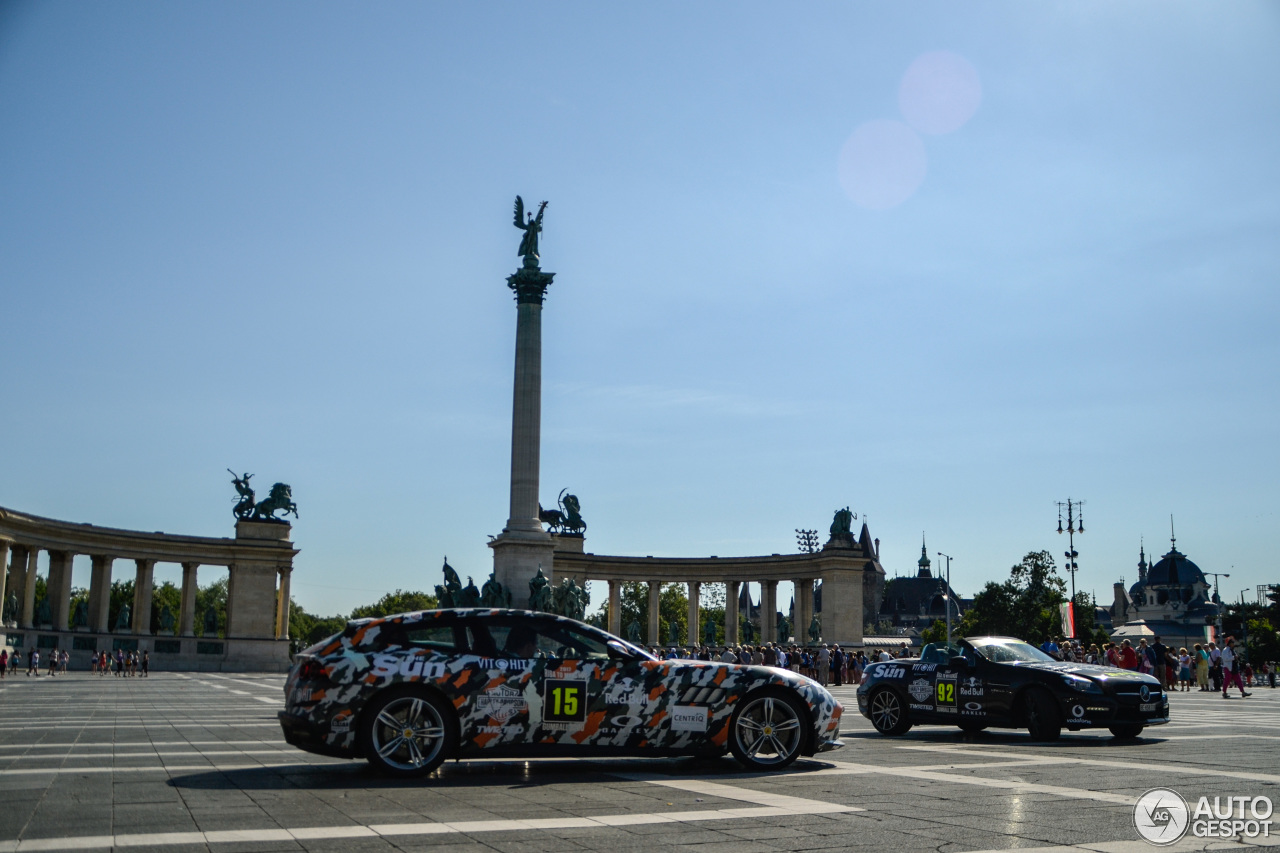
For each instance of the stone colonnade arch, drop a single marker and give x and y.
(850, 572)
(259, 561)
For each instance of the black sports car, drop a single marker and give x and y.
(1006, 683)
(408, 691)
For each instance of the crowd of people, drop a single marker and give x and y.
(123, 664)
(825, 663)
(1210, 667)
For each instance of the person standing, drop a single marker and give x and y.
(4, 662)
(33, 663)
(146, 664)
(837, 664)
(1231, 669)
(824, 665)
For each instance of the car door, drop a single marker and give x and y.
(987, 684)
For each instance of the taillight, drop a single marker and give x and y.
(311, 670)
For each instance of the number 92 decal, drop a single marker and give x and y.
(565, 702)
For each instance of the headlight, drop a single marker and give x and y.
(1081, 685)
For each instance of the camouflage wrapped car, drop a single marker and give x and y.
(408, 691)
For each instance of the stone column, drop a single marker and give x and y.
(655, 588)
(17, 578)
(4, 571)
(804, 609)
(523, 545)
(142, 582)
(695, 594)
(59, 588)
(732, 589)
(769, 611)
(282, 605)
(100, 593)
(615, 607)
(29, 590)
(842, 606)
(187, 618)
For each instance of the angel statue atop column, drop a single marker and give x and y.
(529, 243)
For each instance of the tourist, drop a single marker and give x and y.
(837, 664)
(119, 663)
(53, 662)
(1201, 657)
(63, 660)
(1184, 670)
(1159, 662)
(13, 663)
(4, 662)
(146, 664)
(33, 663)
(1231, 669)
(1215, 666)
(729, 655)
(1128, 656)
(824, 665)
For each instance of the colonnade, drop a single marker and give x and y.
(259, 562)
(733, 589)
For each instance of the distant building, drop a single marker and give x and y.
(916, 603)
(1171, 599)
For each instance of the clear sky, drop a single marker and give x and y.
(943, 263)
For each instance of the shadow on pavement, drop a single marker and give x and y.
(518, 772)
(1010, 737)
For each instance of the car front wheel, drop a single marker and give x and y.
(1126, 731)
(767, 731)
(1041, 716)
(889, 713)
(408, 734)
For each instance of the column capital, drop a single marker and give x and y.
(530, 284)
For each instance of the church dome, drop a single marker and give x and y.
(1174, 569)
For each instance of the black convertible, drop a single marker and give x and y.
(1006, 683)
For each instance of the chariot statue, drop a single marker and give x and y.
(245, 504)
(567, 519)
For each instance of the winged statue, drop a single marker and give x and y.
(529, 243)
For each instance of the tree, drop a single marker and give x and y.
(673, 607)
(935, 633)
(165, 595)
(400, 601)
(1025, 606)
(1263, 643)
(214, 595)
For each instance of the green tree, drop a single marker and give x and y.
(166, 595)
(935, 633)
(1263, 641)
(673, 607)
(214, 595)
(400, 601)
(306, 629)
(1025, 606)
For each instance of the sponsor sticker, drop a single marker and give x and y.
(891, 671)
(924, 667)
(689, 718)
(971, 687)
(407, 665)
(341, 723)
(501, 703)
(920, 690)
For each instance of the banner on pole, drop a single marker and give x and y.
(1068, 611)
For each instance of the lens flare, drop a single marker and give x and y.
(881, 164)
(939, 93)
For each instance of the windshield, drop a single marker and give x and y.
(1010, 651)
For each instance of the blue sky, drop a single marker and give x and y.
(274, 237)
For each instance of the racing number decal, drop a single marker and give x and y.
(945, 693)
(565, 702)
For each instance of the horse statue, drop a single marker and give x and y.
(245, 503)
(281, 498)
(553, 518)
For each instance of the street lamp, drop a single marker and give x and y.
(1218, 598)
(1075, 524)
(807, 540)
(947, 597)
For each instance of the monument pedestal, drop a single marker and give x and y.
(517, 556)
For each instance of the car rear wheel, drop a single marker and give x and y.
(889, 713)
(1126, 731)
(1041, 716)
(767, 731)
(408, 734)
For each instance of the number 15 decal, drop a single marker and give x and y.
(565, 702)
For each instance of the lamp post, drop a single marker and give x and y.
(807, 540)
(1218, 598)
(947, 597)
(1075, 524)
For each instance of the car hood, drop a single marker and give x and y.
(1093, 672)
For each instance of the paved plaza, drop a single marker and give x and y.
(196, 761)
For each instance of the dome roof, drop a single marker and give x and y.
(1174, 569)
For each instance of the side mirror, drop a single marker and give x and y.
(617, 651)
(960, 662)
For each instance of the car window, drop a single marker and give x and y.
(440, 638)
(529, 638)
(1012, 651)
